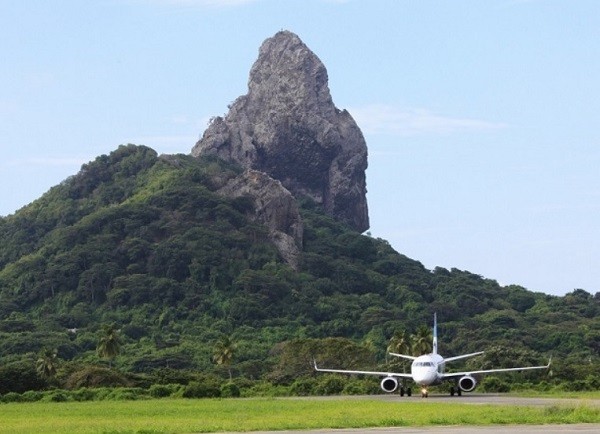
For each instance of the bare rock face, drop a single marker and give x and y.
(275, 207)
(288, 127)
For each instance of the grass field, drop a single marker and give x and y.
(212, 415)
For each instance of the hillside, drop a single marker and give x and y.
(144, 242)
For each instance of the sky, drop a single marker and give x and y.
(481, 117)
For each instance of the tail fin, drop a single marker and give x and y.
(435, 346)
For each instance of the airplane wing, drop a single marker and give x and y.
(462, 356)
(345, 371)
(404, 356)
(488, 371)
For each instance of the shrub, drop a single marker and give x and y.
(330, 385)
(84, 394)
(266, 389)
(163, 390)
(494, 384)
(197, 389)
(303, 386)
(31, 396)
(363, 386)
(96, 376)
(56, 396)
(126, 394)
(230, 390)
(12, 397)
(20, 377)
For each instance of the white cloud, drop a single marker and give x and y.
(388, 119)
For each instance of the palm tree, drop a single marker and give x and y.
(421, 340)
(109, 345)
(224, 353)
(46, 363)
(399, 343)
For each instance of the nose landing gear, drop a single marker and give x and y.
(424, 393)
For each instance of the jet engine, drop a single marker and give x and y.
(467, 383)
(389, 384)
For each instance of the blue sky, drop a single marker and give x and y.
(481, 117)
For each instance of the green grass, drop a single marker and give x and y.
(188, 416)
(583, 394)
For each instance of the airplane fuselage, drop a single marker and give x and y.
(427, 370)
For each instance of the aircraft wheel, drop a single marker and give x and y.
(459, 392)
(451, 391)
(402, 391)
(409, 392)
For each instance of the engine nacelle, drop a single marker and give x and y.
(389, 384)
(467, 383)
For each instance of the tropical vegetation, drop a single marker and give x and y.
(135, 272)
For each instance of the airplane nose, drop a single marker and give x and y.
(424, 377)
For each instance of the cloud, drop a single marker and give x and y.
(392, 120)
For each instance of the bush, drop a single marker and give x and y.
(205, 389)
(12, 397)
(363, 386)
(330, 385)
(20, 377)
(230, 390)
(84, 394)
(266, 389)
(163, 390)
(32, 396)
(56, 396)
(303, 386)
(126, 394)
(96, 376)
(494, 384)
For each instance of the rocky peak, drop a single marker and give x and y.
(288, 127)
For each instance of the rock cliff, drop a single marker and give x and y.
(288, 127)
(275, 207)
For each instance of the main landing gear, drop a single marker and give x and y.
(408, 391)
(458, 391)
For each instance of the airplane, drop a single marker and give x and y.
(428, 370)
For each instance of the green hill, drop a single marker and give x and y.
(145, 243)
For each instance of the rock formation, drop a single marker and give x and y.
(288, 127)
(275, 207)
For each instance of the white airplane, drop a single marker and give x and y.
(428, 370)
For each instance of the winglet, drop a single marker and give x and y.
(315, 364)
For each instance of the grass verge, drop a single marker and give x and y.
(213, 415)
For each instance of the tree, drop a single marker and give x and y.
(224, 352)
(109, 345)
(421, 341)
(46, 363)
(399, 343)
